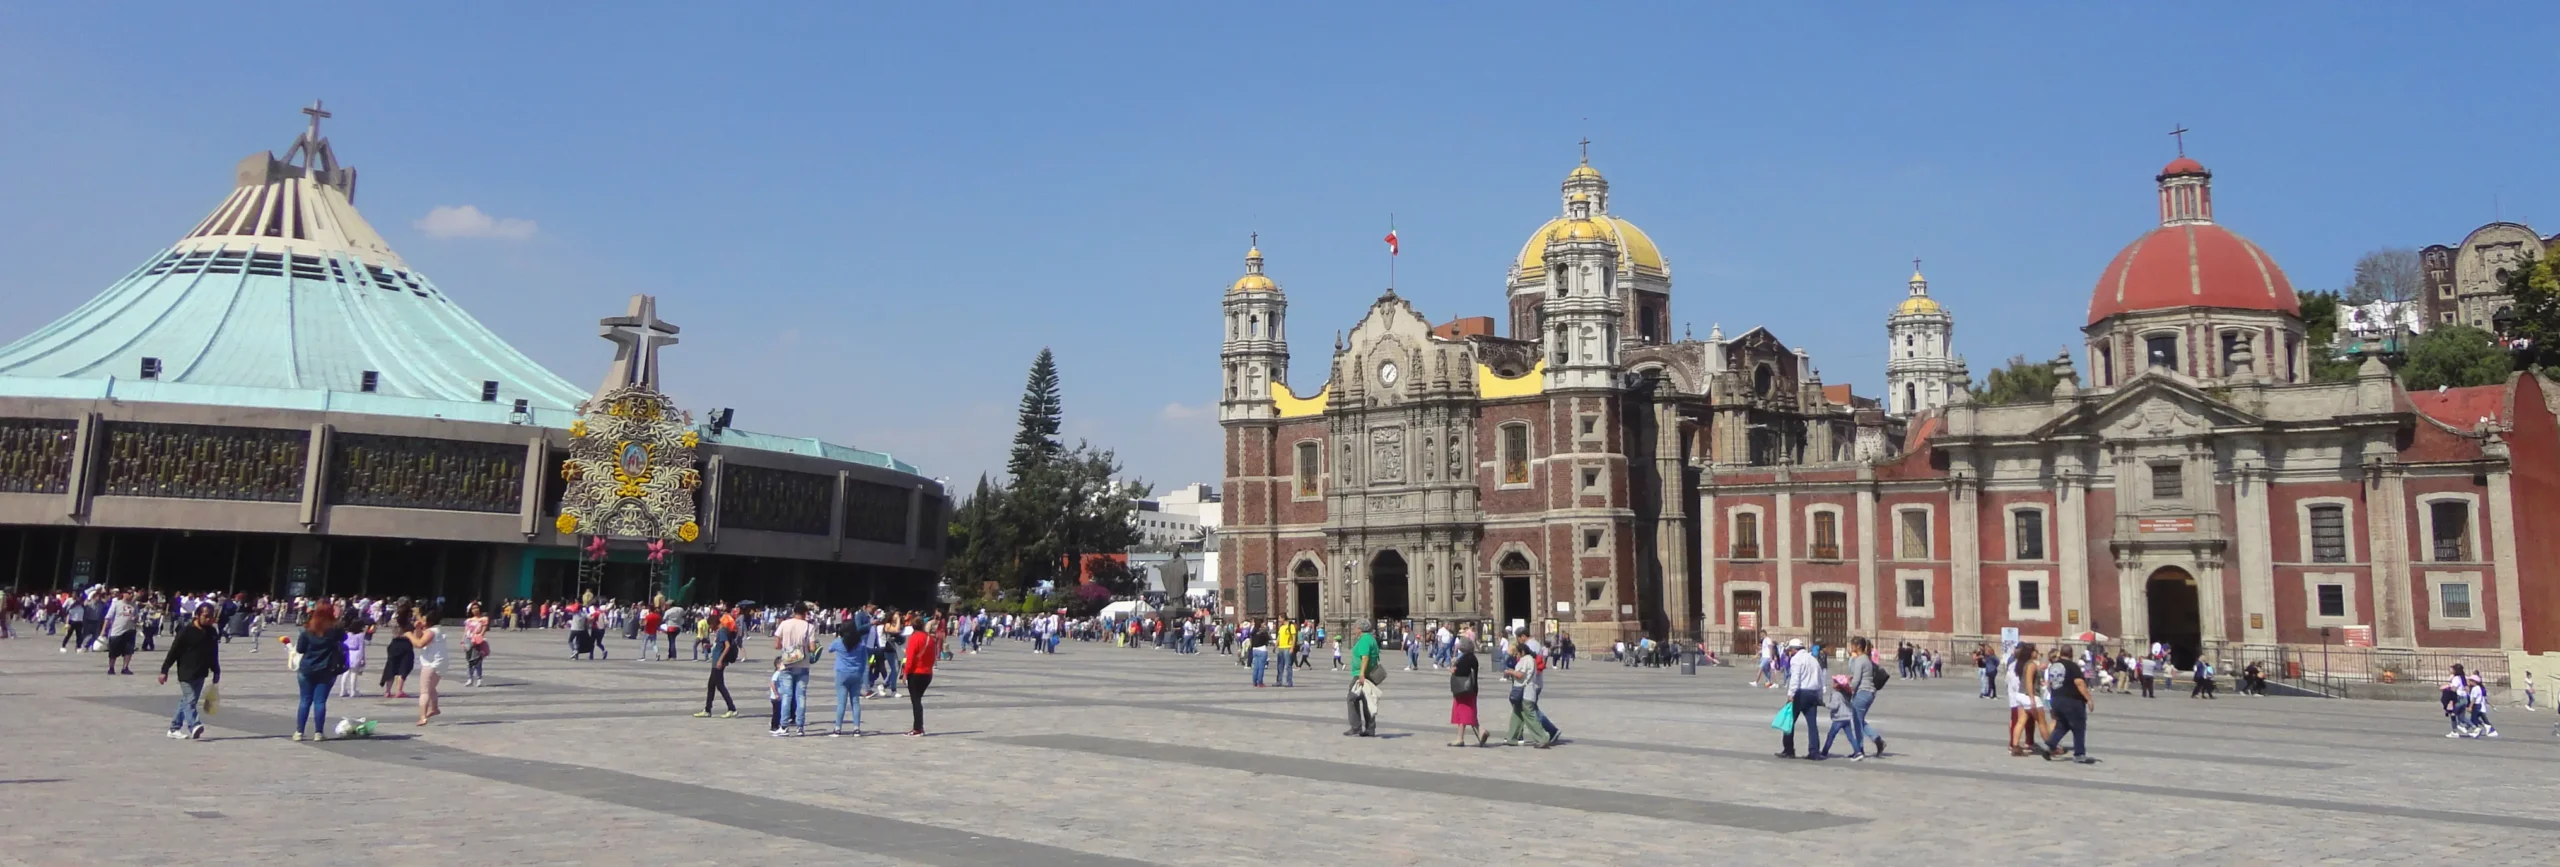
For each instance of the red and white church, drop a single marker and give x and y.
(2187, 483)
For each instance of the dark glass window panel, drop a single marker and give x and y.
(782, 501)
(874, 512)
(2452, 526)
(2030, 535)
(2333, 600)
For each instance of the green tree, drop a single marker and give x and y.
(2320, 327)
(980, 548)
(2535, 317)
(2022, 381)
(2454, 356)
(1035, 439)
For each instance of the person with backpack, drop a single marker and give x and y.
(1865, 677)
(1366, 673)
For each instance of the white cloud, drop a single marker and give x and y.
(467, 221)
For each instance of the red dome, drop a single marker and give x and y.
(2183, 165)
(2191, 265)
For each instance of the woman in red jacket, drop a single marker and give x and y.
(923, 647)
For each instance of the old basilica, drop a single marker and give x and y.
(1583, 470)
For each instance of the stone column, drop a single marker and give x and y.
(2071, 551)
(2212, 615)
(1670, 537)
(1964, 554)
(1710, 522)
(1781, 533)
(1868, 601)
(2253, 548)
(2388, 532)
(2502, 557)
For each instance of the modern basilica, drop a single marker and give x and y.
(1583, 470)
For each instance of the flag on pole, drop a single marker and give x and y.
(1392, 249)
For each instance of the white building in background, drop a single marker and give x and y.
(1187, 514)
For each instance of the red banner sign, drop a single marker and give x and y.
(2166, 525)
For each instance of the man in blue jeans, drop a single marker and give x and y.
(1805, 682)
(2071, 701)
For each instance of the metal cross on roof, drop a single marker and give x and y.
(2180, 133)
(637, 336)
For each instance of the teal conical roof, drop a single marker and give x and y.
(285, 297)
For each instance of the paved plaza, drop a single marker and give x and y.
(1103, 755)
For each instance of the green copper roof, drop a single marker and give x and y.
(284, 297)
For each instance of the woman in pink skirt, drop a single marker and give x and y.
(1462, 690)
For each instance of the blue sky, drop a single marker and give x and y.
(868, 218)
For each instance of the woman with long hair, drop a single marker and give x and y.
(429, 644)
(400, 659)
(323, 656)
(2019, 678)
(475, 643)
(924, 645)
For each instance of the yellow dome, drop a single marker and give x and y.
(1633, 244)
(1253, 283)
(1918, 304)
(1583, 171)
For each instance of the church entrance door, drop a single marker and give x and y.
(2175, 622)
(1746, 629)
(1831, 620)
(1388, 597)
(1310, 599)
(1515, 590)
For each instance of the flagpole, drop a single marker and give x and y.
(1391, 252)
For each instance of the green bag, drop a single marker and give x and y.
(1785, 721)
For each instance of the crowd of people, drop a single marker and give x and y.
(872, 652)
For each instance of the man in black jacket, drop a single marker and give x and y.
(195, 652)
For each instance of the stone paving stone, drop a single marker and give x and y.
(1110, 755)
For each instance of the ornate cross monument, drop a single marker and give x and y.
(636, 337)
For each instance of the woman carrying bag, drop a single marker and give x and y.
(1463, 685)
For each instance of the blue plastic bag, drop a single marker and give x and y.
(1785, 721)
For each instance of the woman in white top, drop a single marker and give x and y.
(429, 643)
(2018, 674)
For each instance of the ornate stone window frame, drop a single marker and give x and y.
(2311, 584)
(2426, 510)
(2437, 581)
(2044, 527)
(1839, 529)
(2043, 581)
(1502, 456)
(2302, 530)
(1928, 534)
(1759, 532)
(1928, 579)
(1298, 472)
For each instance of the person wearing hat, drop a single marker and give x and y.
(1805, 682)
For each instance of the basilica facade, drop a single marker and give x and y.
(1583, 470)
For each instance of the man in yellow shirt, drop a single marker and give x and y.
(1287, 653)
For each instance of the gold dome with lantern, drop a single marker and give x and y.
(1585, 184)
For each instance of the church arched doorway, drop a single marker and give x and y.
(1515, 588)
(2176, 621)
(1388, 597)
(1309, 593)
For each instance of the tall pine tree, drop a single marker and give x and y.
(1035, 441)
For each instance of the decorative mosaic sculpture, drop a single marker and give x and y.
(631, 469)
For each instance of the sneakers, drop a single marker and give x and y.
(2453, 734)
(916, 734)
(297, 737)
(196, 733)
(174, 734)
(778, 732)
(1879, 747)
(836, 733)
(702, 714)
(730, 715)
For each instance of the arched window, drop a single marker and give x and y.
(1763, 378)
(1910, 397)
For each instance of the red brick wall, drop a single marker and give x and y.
(2106, 610)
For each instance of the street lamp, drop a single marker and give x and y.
(2324, 660)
